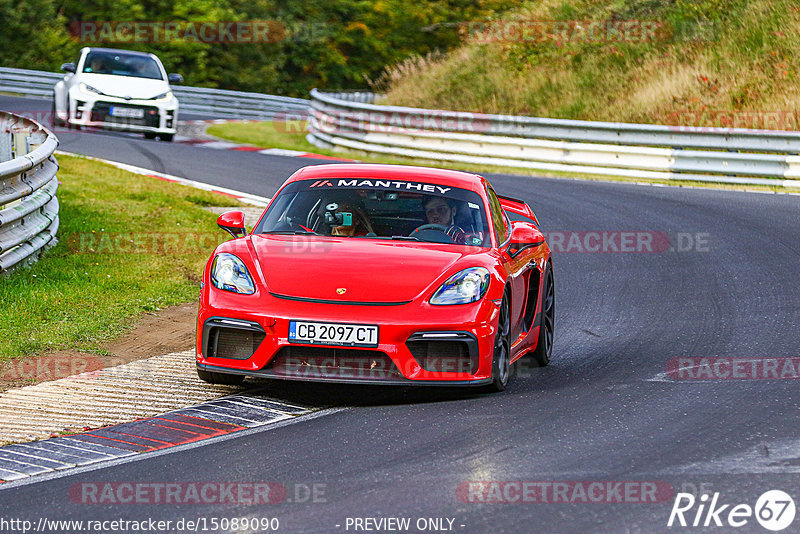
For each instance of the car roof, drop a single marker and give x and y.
(464, 180)
(117, 50)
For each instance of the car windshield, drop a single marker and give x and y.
(378, 209)
(121, 64)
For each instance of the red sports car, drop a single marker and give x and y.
(381, 274)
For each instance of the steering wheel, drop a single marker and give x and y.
(440, 227)
(454, 232)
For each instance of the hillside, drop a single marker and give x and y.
(710, 62)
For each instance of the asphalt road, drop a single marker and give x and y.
(604, 410)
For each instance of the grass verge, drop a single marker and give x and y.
(128, 244)
(269, 134)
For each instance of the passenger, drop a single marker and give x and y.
(360, 226)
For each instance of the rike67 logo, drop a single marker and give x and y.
(774, 510)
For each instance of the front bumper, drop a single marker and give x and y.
(94, 111)
(418, 344)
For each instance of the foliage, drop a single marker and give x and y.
(331, 45)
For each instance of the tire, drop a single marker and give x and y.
(547, 319)
(220, 378)
(501, 356)
(149, 135)
(166, 137)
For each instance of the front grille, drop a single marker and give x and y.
(233, 343)
(101, 112)
(443, 356)
(333, 363)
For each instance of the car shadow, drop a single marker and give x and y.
(322, 394)
(327, 395)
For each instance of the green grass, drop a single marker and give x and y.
(90, 288)
(268, 135)
(289, 135)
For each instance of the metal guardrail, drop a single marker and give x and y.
(353, 121)
(218, 103)
(239, 105)
(28, 185)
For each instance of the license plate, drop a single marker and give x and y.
(350, 335)
(131, 113)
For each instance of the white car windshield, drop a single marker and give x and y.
(380, 209)
(122, 64)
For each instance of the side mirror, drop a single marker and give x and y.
(233, 223)
(523, 235)
(68, 67)
(175, 78)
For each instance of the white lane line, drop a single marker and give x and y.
(136, 388)
(34, 459)
(24, 480)
(32, 462)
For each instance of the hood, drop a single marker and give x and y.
(369, 270)
(124, 86)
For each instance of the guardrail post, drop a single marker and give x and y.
(20, 142)
(5, 145)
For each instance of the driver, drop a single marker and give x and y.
(98, 65)
(439, 210)
(442, 211)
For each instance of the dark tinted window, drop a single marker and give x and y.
(499, 220)
(121, 64)
(375, 208)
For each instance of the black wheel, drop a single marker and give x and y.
(501, 359)
(149, 135)
(220, 378)
(547, 320)
(166, 137)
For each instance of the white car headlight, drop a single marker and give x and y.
(469, 285)
(86, 88)
(229, 274)
(164, 97)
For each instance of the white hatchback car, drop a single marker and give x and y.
(117, 89)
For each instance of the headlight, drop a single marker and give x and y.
(469, 285)
(86, 88)
(229, 274)
(164, 97)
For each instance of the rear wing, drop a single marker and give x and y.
(517, 207)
